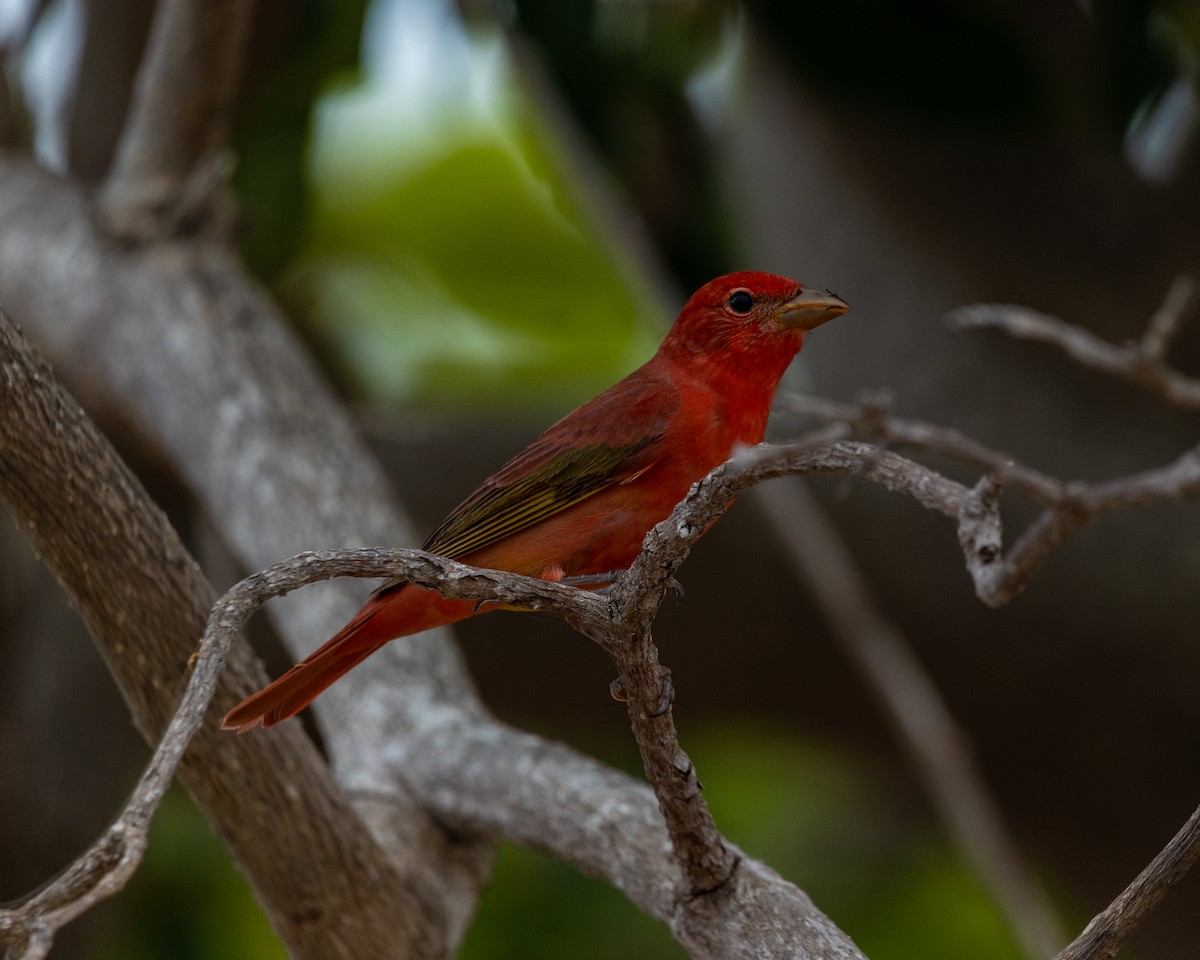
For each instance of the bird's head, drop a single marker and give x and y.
(751, 317)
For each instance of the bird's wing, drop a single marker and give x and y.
(612, 439)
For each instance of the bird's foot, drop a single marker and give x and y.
(598, 582)
(604, 582)
(666, 696)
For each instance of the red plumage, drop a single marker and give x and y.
(581, 497)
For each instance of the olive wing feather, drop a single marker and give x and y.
(609, 440)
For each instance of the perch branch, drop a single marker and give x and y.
(620, 621)
(706, 862)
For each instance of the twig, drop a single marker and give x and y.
(939, 750)
(1168, 319)
(1069, 505)
(1000, 578)
(1102, 938)
(170, 167)
(872, 419)
(1139, 363)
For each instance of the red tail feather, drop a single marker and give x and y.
(390, 613)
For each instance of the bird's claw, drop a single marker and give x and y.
(616, 690)
(667, 696)
(598, 582)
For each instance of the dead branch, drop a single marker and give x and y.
(620, 622)
(1069, 505)
(1141, 363)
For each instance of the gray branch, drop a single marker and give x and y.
(171, 165)
(1141, 363)
(1069, 506)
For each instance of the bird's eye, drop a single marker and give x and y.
(740, 302)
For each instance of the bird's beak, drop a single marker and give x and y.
(811, 308)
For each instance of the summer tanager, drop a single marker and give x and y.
(581, 497)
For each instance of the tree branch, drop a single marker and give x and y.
(170, 169)
(620, 623)
(1140, 363)
(1102, 938)
(1069, 505)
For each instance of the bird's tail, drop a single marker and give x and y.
(392, 612)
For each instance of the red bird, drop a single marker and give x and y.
(580, 498)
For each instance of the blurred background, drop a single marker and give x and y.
(482, 213)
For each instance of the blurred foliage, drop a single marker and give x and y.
(441, 258)
(628, 71)
(300, 45)
(469, 280)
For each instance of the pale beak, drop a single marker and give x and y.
(811, 309)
